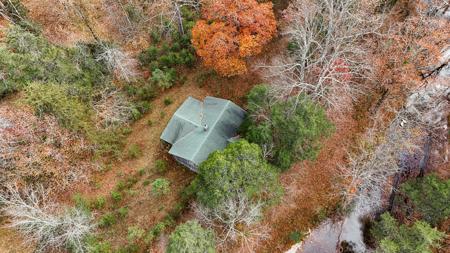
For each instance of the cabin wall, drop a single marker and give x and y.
(189, 164)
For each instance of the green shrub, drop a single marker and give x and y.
(167, 101)
(156, 36)
(122, 212)
(141, 171)
(143, 107)
(109, 142)
(116, 196)
(160, 166)
(191, 237)
(154, 232)
(130, 248)
(239, 167)
(296, 236)
(30, 57)
(430, 196)
(120, 186)
(149, 55)
(291, 128)
(394, 238)
(160, 186)
(134, 151)
(107, 220)
(135, 233)
(96, 246)
(99, 203)
(164, 79)
(49, 98)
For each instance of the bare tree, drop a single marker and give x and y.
(163, 16)
(325, 58)
(38, 148)
(120, 63)
(370, 170)
(234, 219)
(10, 11)
(43, 223)
(166, 14)
(113, 108)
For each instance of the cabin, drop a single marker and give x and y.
(199, 128)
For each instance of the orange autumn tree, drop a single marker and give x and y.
(230, 31)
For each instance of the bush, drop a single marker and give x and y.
(107, 220)
(50, 98)
(430, 196)
(96, 246)
(160, 166)
(286, 130)
(135, 233)
(160, 186)
(31, 58)
(394, 238)
(134, 151)
(122, 212)
(239, 167)
(99, 203)
(155, 231)
(167, 101)
(109, 142)
(164, 79)
(149, 55)
(190, 237)
(116, 196)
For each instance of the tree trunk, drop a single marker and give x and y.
(180, 18)
(426, 157)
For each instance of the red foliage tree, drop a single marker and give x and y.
(232, 30)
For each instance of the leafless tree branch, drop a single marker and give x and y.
(43, 223)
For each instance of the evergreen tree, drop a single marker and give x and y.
(287, 130)
(395, 238)
(240, 167)
(190, 237)
(431, 197)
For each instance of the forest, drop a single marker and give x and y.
(333, 135)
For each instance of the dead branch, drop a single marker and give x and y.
(326, 59)
(234, 219)
(42, 223)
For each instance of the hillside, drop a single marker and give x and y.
(343, 146)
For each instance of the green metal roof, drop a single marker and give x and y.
(188, 135)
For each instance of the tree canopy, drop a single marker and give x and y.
(395, 238)
(431, 197)
(286, 129)
(190, 237)
(240, 167)
(230, 31)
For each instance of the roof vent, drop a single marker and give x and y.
(205, 127)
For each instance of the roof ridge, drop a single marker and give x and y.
(186, 119)
(212, 127)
